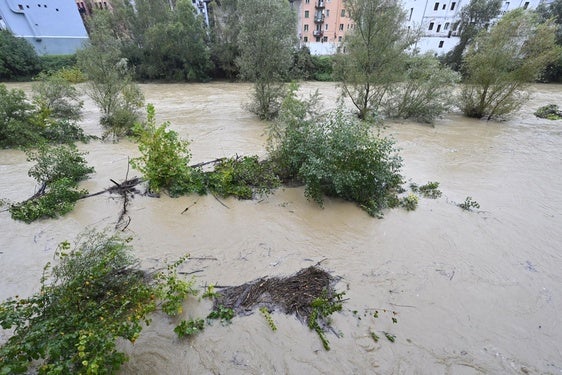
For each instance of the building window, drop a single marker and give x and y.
(341, 26)
(327, 12)
(317, 39)
(20, 6)
(430, 26)
(441, 44)
(444, 6)
(436, 6)
(526, 5)
(438, 28)
(339, 38)
(326, 27)
(325, 39)
(411, 11)
(306, 14)
(305, 27)
(343, 12)
(306, 39)
(453, 5)
(307, 1)
(446, 27)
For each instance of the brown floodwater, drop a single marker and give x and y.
(474, 292)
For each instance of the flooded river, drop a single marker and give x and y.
(474, 292)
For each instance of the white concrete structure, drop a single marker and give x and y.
(51, 27)
(323, 23)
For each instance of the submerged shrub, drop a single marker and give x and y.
(550, 112)
(95, 295)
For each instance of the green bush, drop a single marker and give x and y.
(55, 63)
(18, 59)
(95, 295)
(16, 125)
(58, 169)
(550, 112)
(242, 177)
(323, 68)
(335, 155)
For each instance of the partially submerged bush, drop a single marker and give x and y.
(95, 295)
(58, 170)
(336, 156)
(550, 112)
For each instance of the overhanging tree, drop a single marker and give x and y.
(374, 54)
(501, 62)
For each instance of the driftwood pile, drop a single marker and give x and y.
(290, 295)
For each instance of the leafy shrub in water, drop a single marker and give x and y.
(94, 296)
(164, 157)
(335, 155)
(550, 111)
(58, 169)
(242, 177)
(56, 98)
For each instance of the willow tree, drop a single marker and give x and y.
(374, 54)
(503, 61)
(266, 43)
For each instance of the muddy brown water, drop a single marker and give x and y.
(475, 293)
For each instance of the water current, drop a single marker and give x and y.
(474, 292)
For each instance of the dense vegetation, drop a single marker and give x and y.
(94, 295)
(51, 115)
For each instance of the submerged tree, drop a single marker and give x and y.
(374, 54)
(425, 93)
(501, 62)
(266, 43)
(110, 82)
(474, 17)
(18, 59)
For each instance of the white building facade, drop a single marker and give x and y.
(438, 20)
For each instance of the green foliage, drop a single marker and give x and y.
(430, 190)
(57, 201)
(93, 297)
(164, 157)
(16, 125)
(323, 68)
(374, 336)
(189, 327)
(56, 98)
(389, 337)
(72, 74)
(58, 169)
(56, 162)
(266, 53)
(267, 315)
(375, 53)
(242, 177)
(110, 82)
(502, 61)
(410, 202)
(550, 111)
(425, 93)
(172, 290)
(54, 63)
(474, 17)
(210, 292)
(319, 318)
(18, 59)
(546, 11)
(224, 314)
(469, 204)
(27, 124)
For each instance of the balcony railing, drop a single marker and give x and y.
(318, 33)
(320, 4)
(319, 19)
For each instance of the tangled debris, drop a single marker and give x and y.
(290, 295)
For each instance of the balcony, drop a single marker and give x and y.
(319, 18)
(318, 33)
(320, 4)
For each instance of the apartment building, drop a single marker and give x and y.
(322, 24)
(51, 27)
